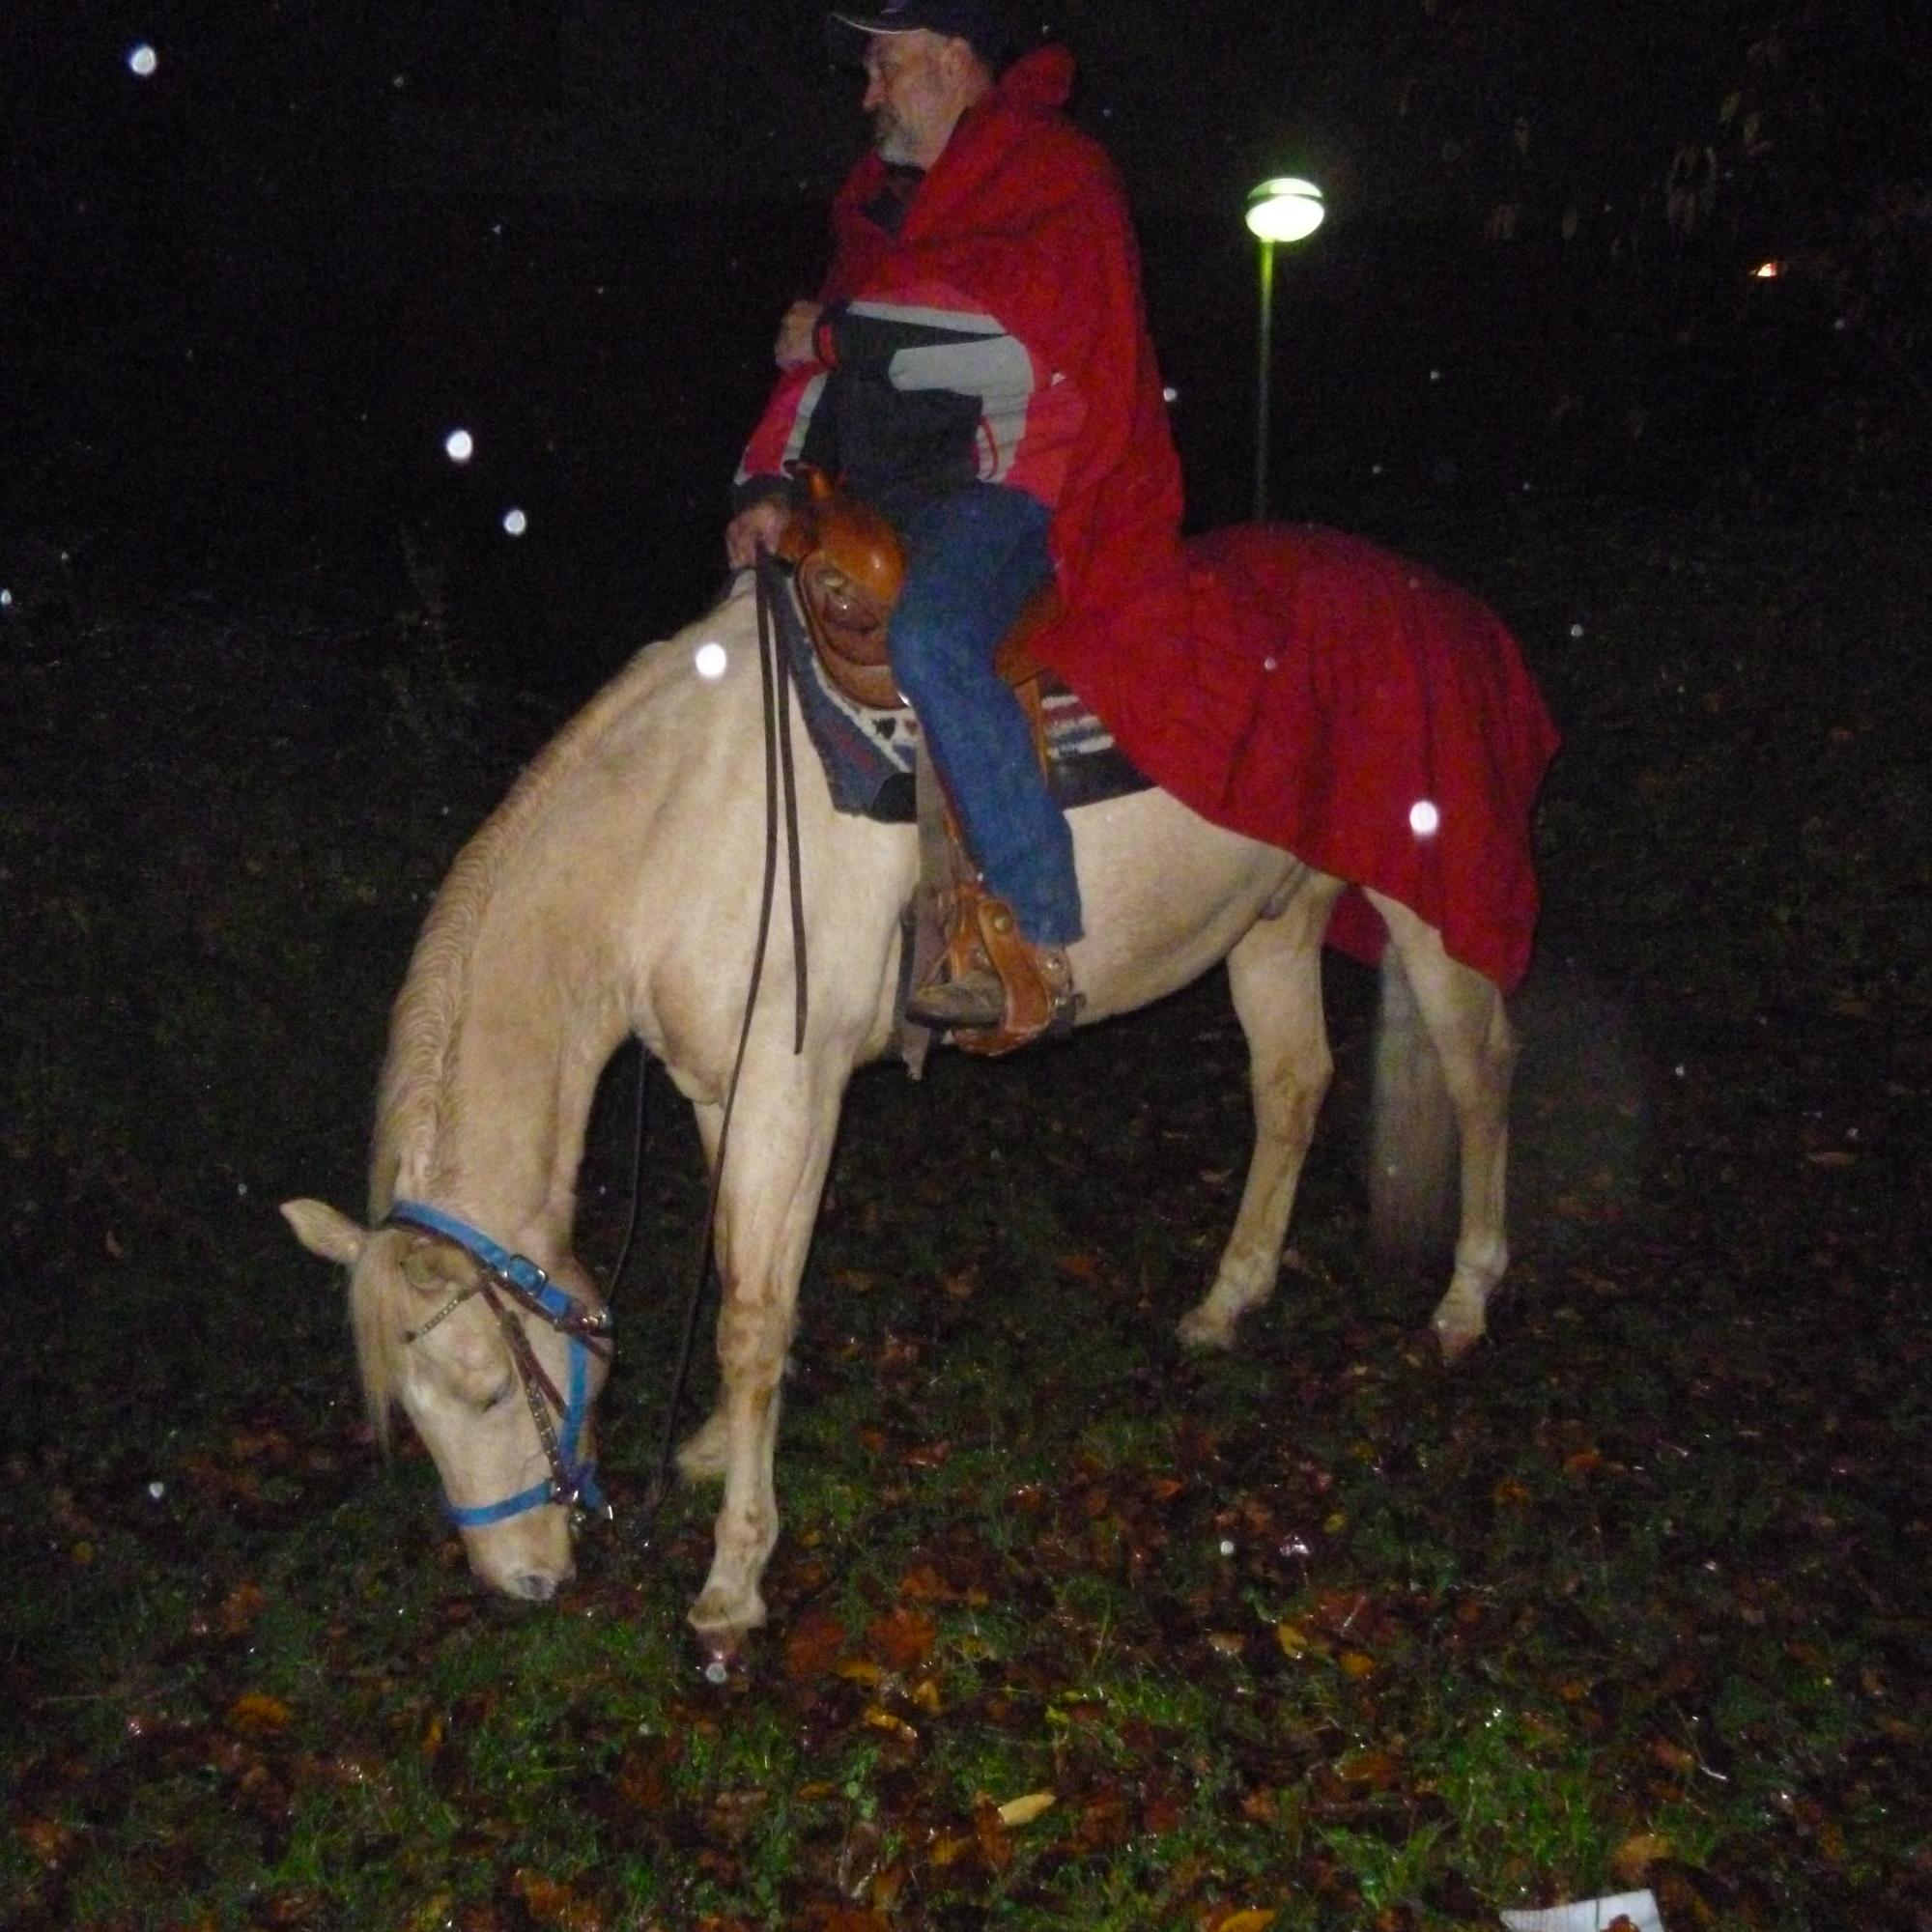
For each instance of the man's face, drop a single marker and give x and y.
(915, 92)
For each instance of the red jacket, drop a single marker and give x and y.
(1022, 220)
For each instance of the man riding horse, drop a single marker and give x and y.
(978, 368)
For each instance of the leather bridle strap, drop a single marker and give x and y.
(572, 1482)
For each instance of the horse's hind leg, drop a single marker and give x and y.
(1275, 975)
(1463, 1015)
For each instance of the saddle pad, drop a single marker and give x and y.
(868, 756)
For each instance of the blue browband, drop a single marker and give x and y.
(571, 1481)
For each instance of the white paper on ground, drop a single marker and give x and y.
(1593, 1915)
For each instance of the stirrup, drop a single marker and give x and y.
(998, 992)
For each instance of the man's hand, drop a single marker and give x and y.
(795, 347)
(754, 531)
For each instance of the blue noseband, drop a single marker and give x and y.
(571, 1481)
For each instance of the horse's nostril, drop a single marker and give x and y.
(533, 1586)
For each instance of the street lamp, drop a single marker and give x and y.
(1287, 208)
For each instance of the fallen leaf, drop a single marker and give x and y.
(1368, 1770)
(902, 1639)
(1251, 1920)
(1356, 1666)
(1018, 1811)
(1633, 1859)
(550, 1903)
(48, 1839)
(240, 1609)
(255, 1715)
(1295, 1642)
(814, 1644)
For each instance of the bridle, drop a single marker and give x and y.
(511, 1283)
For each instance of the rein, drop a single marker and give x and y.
(780, 783)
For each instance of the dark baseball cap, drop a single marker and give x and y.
(986, 24)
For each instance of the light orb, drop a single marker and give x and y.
(142, 60)
(1424, 820)
(515, 522)
(459, 445)
(711, 662)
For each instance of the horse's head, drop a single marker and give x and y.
(497, 1366)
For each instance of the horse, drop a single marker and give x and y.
(616, 893)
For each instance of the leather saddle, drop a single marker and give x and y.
(848, 566)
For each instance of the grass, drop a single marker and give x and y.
(1638, 1596)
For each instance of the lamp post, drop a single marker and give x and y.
(1287, 208)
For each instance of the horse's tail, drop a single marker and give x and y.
(1413, 1141)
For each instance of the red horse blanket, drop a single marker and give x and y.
(1352, 708)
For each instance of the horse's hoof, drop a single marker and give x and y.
(1456, 1339)
(721, 1627)
(1200, 1330)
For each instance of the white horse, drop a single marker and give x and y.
(616, 892)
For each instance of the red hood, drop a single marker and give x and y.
(1043, 79)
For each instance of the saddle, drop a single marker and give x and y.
(848, 565)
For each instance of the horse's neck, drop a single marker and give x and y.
(511, 1128)
(499, 1038)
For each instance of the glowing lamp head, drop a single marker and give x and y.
(1287, 208)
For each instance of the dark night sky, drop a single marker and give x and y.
(322, 226)
(1412, 102)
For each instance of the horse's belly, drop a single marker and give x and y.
(1164, 897)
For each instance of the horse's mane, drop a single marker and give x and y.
(413, 1092)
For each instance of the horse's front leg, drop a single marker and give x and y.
(775, 1169)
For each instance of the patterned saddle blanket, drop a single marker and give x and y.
(870, 755)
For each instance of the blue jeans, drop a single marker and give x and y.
(973, 559)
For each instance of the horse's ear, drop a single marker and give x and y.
(325, 1232)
